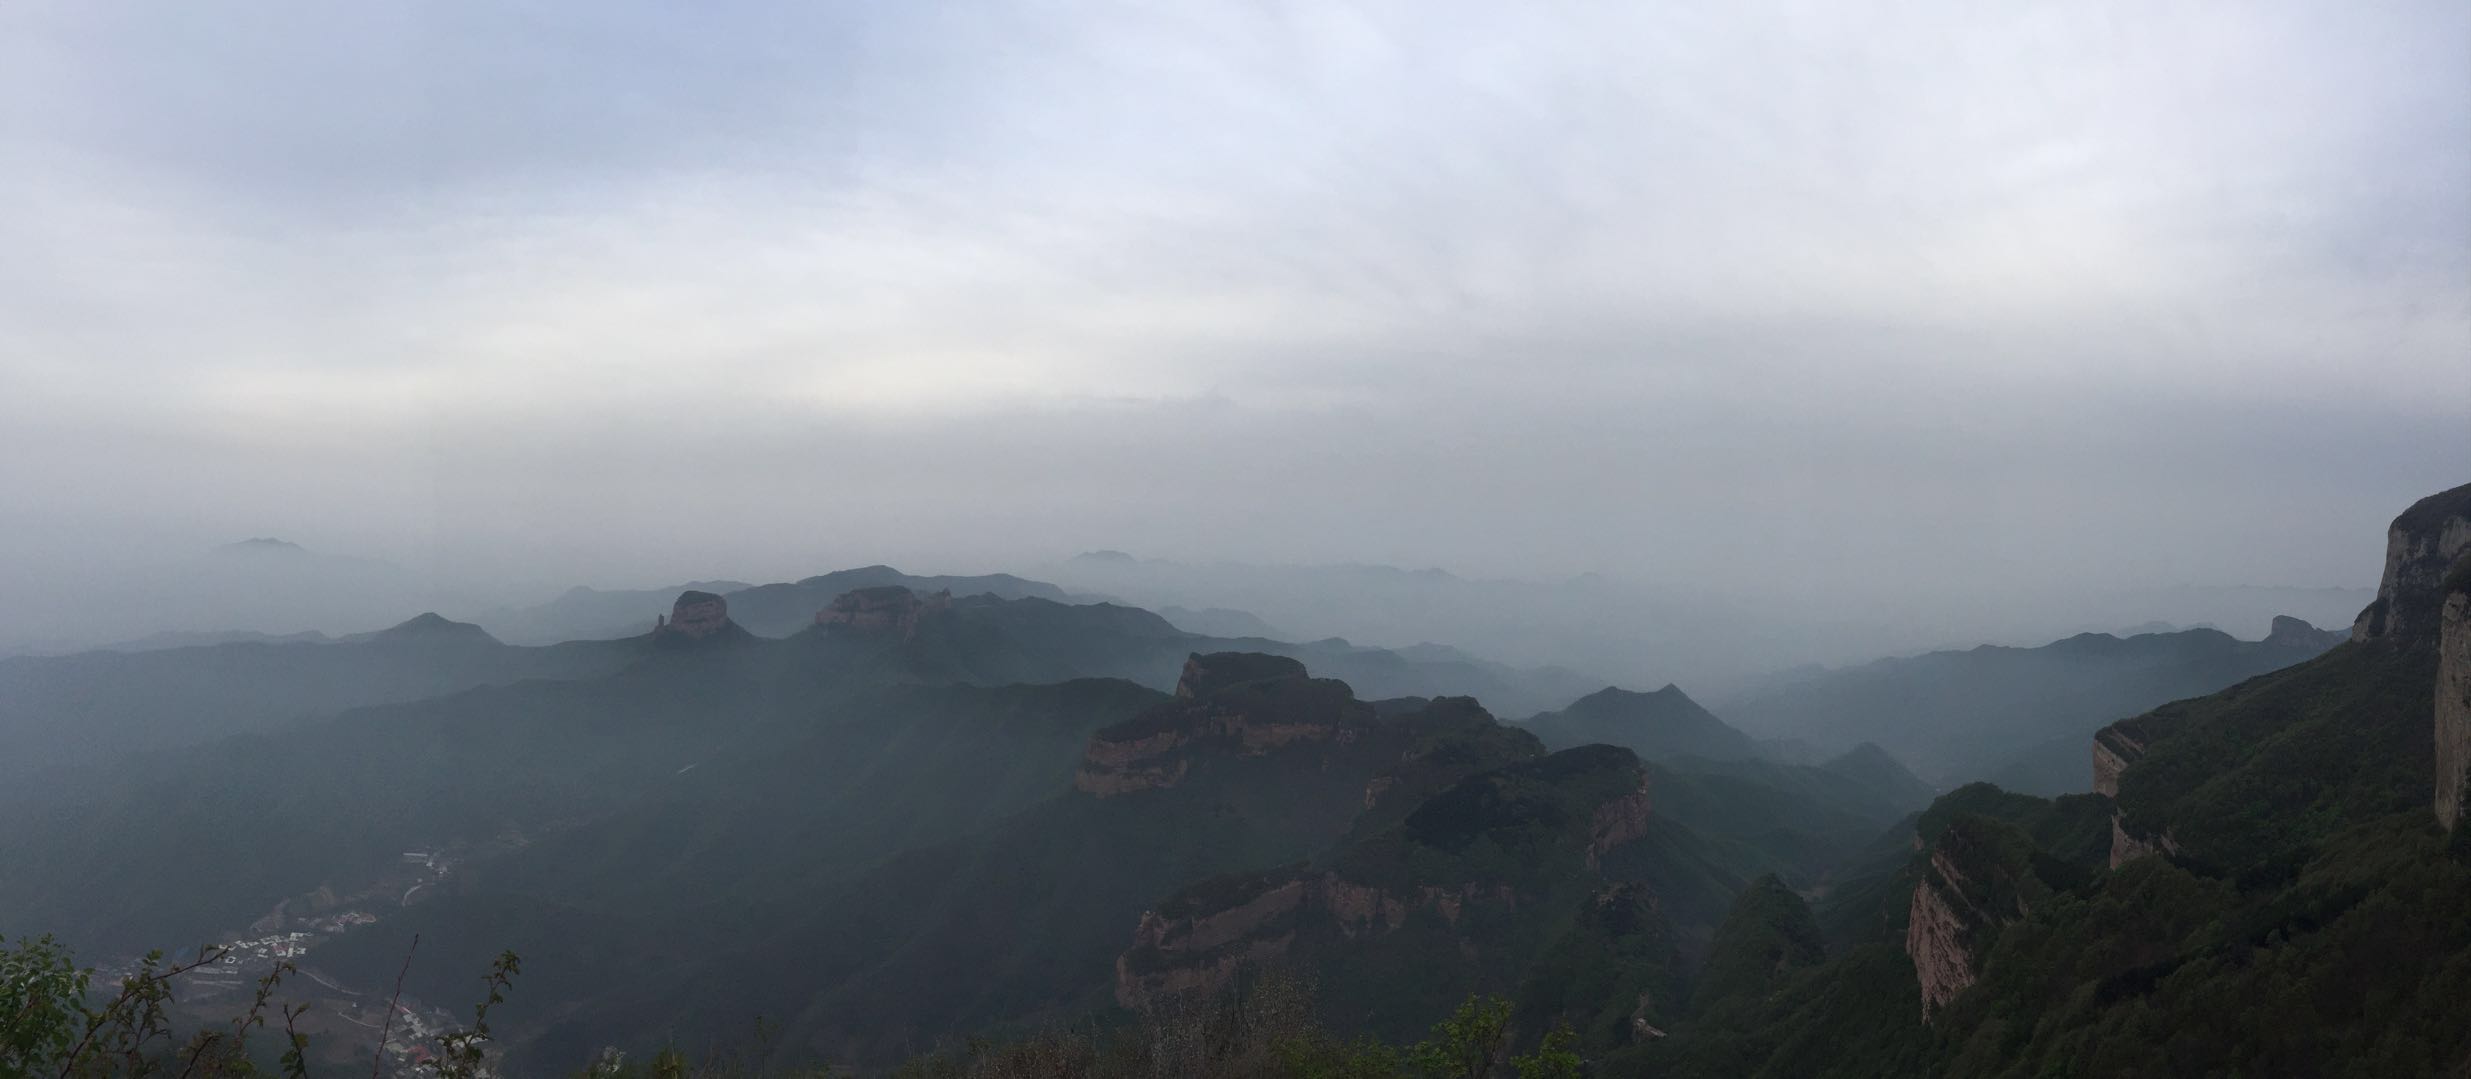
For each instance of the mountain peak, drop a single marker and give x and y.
(263, 546)
(430, 626)
(1657, 726)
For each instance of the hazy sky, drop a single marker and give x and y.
(1951, 296)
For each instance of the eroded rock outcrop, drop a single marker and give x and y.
(2298, 634)
(695, 616)
(892, 610)
(1227, 702)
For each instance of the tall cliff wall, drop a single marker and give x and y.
(1980, 876)
(1935, 935)
(2453, 720)
(2425, 597)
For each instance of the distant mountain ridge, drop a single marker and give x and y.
(1958, 716)
(80, 708)
(62, 714)
(77, 709)
(1716, 641)
(766, 610)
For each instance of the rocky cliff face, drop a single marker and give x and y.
(1979, 877)
(2425, 598)
(2114, 748)
(2127, 846)
(1616, 822)
(1935, 938)
(891, 610)
(2421, 546)
(2454, 695)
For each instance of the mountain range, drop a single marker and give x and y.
(892, 815)
(913, 789)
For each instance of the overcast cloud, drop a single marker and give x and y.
(1943, 299)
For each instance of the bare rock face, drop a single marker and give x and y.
(695, 616)
(1935, 938)
(1617, 822)
(1200, 950)
(2127, 846)
(2421, 546)
(889, 609)
(2114, 748)
(1969, 889)
(2454, 696)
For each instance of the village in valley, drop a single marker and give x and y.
(362, 1023)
